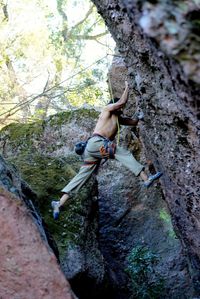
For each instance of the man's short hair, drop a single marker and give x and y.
(113, 101)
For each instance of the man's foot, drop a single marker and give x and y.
(56, 211)
(152, 178)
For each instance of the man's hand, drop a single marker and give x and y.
(122, 101)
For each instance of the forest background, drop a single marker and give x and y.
(54, 57)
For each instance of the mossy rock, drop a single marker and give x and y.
(71, 227)
(47, 176)
(67, 116)
(28, 138)
(21, 137)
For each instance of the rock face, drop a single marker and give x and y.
(95, 238)
(158, 42)
(131, 217)
(44, 154)
(11, 181)
(28, 264)
(164, 79)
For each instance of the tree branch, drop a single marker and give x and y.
(64, 18)
(61, 11)
(89, 37)
(5, 11)
(84, 19)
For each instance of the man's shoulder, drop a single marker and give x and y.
(105, 111)
(105, 115)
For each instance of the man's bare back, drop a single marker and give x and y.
(108, 119)
(107, 124)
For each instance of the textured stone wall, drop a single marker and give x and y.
(44, 154)
(159, 43)
(29, 269)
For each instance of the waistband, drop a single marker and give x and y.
(98, 135)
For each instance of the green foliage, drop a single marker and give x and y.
(146, 284)
(166, 218)
(86, 91)
(23, 136)
(38, 56)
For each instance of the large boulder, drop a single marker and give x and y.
(28, 261)
(44, 154)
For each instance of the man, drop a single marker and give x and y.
(101, 146)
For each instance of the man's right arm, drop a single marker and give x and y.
(122, 101)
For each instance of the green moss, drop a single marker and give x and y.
(47, 176)
(60, 118)
(68, 116)
(17, 130)
(24, 136)
(165, 216)
(21, 134)
(167, 220)
(69, 229)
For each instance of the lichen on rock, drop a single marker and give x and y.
(44, 155)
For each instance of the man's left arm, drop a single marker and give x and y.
(127, 121)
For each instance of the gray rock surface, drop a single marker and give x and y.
(169, 96)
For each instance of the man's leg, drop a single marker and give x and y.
(127, 159)
(57, 204)
(143, 176)
(63, 199)
(75, 184)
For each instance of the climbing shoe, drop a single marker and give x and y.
(55, 207)
(152, 178)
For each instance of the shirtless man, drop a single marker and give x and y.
(101, 145)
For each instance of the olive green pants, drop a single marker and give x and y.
(93, 155)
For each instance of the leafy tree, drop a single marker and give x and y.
(43, 59)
